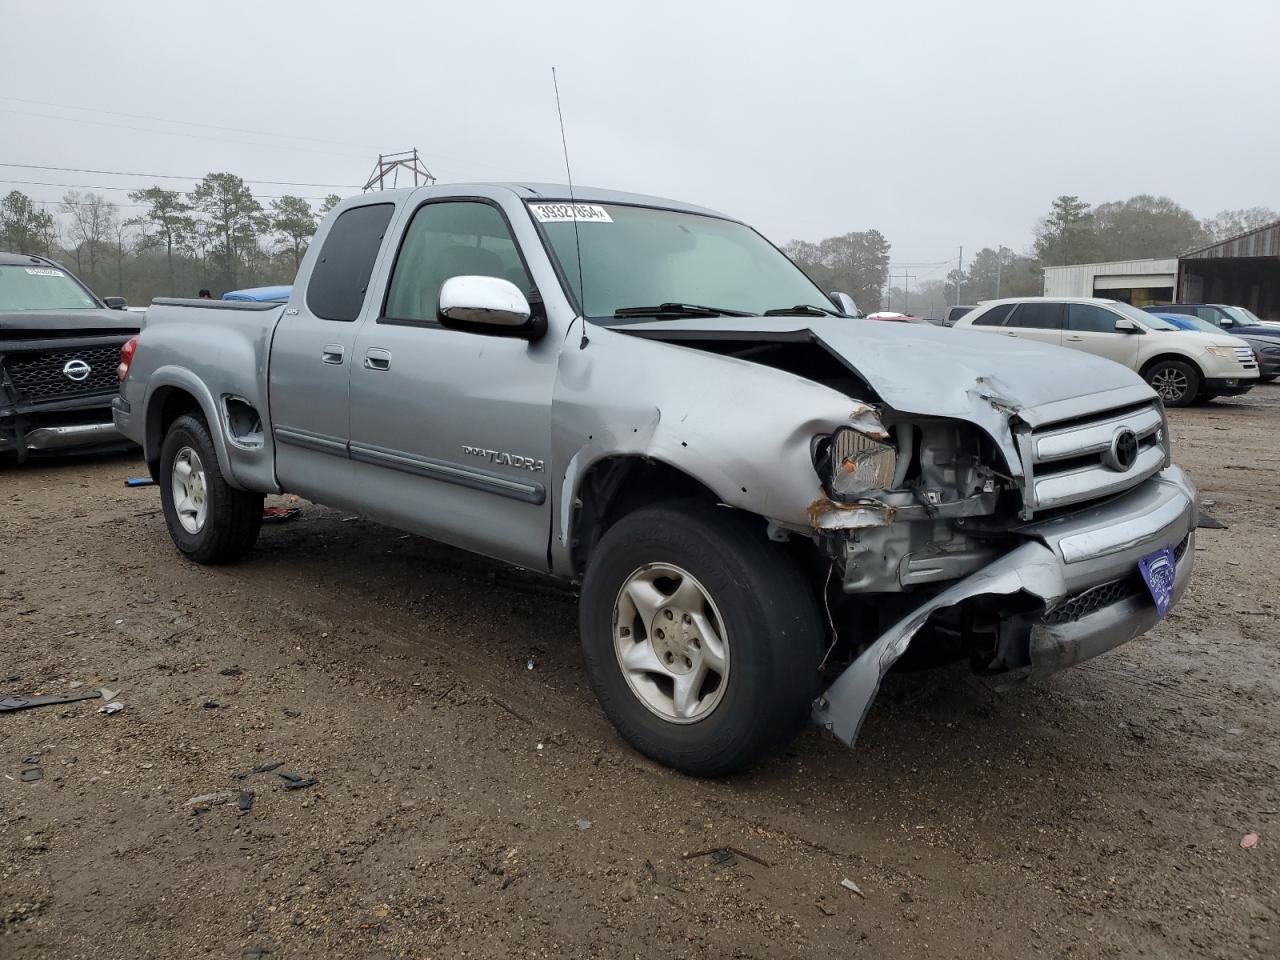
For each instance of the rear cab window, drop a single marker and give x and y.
(340, 278)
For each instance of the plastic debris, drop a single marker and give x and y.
(114, 707)
(32, 773)
(531, 663)
(279, 514)
(293, 781)
(245, 801)
(584, 824)
(21, 702)
(212, 799)
(1248, 841)
(850, 885)
(139, 482)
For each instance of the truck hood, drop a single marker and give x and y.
(55, 324)
(936, 371)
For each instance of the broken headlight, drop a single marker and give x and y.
(857, 464)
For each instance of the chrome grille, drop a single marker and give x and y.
(1092, 457)
(39, 375)
(1245, 356)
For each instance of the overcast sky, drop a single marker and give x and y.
(941, 124)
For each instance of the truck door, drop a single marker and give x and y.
(451, 430)
(310, 366)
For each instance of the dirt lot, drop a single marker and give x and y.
(1097, 815)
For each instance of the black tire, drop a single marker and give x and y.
(1177, 381)
(770, 618)
(232, 518)
(1269, 379)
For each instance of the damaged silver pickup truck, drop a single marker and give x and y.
(766, 502)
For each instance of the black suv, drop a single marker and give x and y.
(59, 349)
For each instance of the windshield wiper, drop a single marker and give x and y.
(800, 309)
(679, 310)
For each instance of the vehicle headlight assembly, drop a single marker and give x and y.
(1228, 352)
(859, 464)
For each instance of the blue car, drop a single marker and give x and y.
(277, 294)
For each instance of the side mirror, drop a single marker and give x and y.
(845, 303)
(115, 303)
(1226, 322)
(1125, 325)
(488, 305)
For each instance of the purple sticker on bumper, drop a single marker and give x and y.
(1157, 570)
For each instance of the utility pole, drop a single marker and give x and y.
(999, 268)
(959, 274)
(390, 165)
(906, 279)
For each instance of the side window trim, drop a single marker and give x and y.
(382, 316)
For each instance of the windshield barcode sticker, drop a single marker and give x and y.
(45, 272)
(565, 213)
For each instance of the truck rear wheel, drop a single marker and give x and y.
(701, 637)
(209, 520)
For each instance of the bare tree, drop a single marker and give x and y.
(92, 221)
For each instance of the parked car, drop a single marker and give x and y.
(955, 313)
(276, 294)
(893, 317)
(59, 348)
(1263, 338)
(1182, 366)
(1219, 314)
(765, 501)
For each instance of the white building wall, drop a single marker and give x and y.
(1077, 280)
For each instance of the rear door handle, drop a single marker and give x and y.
(1007, 334)
(332, 353)
(1075, 339)
(375, 358)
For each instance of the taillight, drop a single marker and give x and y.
(126, 357)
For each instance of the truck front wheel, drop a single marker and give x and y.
(701, 637)
(209, 520)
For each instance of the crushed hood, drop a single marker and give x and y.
(938, 371)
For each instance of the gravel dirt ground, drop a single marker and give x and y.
(468, 806)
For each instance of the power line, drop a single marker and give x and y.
(90, 186)
(171, 176)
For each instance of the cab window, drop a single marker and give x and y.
(993, 317)
(450, 239)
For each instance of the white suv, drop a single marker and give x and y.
(1182, 365)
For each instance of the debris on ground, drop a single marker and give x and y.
(31, 774)
(1248, 841)
(826, 909)
(279, 514)
(19, 701)
(245, 801)
(1206, 522)
(114, 706)
(718, 855)
(211, 705)
(212, 799)
(262, 768)
(584, 824)
(531, 663)
(231, 671)
(850, 885)
(139, 482)
(293, 781)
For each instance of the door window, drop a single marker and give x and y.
(1037, 316)
(341, 276)
(451, 239)
(993, 317)
(1090, 318)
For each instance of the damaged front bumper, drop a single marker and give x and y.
(1080, 567)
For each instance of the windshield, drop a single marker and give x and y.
(41, 288)
(1245, 318)
(1204, 326)
(635, 257)
(1148, 320)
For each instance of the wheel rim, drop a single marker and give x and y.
(671, 643)
(190, 500)
(1170, 383)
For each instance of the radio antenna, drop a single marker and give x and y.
(573, 205)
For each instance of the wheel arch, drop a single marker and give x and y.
(171, 395)
(1171, 355)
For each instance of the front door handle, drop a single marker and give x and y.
(332, 353)
(375, 358)
(1010, 334)
(1075, 339)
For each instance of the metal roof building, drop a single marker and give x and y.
(1139, 282)
(1243, 271)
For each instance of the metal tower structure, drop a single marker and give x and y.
(389, 167)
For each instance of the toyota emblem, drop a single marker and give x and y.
(76, 370)
(1124, 450)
